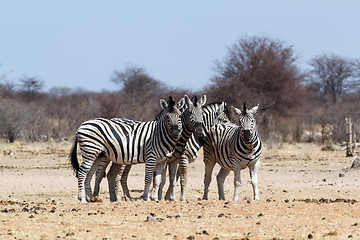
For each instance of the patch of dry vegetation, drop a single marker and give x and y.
(304, 192)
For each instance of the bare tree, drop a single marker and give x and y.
(30, 87)
(139, 93)
(259, 70)
(135, 79)
(332, 76)
(355, 85)
(59, 91)
(6, 87)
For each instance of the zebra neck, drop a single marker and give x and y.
(180, 146)
(247, 146)
(163, 143)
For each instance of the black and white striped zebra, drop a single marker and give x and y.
(132, 143)
(191, 119)
(233, 148)
(212, 113)
(114, 172)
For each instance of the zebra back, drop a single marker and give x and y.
(127, 141)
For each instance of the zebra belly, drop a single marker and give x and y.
(241, 163)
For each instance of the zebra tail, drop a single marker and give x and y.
(73, 158)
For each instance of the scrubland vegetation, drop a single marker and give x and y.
(296, 104)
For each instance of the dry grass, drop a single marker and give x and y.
(305, 192)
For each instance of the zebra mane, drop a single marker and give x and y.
(160, 115)
(226, 111)
(195, 101)
(244, 108)
(171, 103)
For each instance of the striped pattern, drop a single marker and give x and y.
(233, 148)
(211, 114)
(191, 119)
(125, 141)
(115, 172)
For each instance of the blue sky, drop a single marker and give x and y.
(80, 43)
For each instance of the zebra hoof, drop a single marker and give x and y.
(82, 198)
(95, 199)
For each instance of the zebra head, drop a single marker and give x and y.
(172, 116)
(221, 114)
(247, 122)
(192, 115)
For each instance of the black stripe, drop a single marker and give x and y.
(134, 137)
(105, 136)
(118, 139)
(93, 138)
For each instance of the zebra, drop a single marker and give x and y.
(192, 126)
(191, 123)
(132, 143)
(114, 171)
(233, 148)
(212, 113)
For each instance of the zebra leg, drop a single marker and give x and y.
(168, 192)
(157, 180)
(89, 156)
(163, 181)
(113, 177)
(99, 175)
(123, 181)
(254, 178)
(237, 182)
(173, 168)
(85, 173)
(209, 166)
(89, 175)
(81, 185)
(183, 170)
(220, 178)
(150, 164)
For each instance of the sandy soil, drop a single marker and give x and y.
(305, 193)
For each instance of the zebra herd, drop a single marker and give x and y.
(172, 142)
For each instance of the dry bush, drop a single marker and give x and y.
(23, 120)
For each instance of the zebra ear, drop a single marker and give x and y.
(236, 110)
(222, 107)
(188, 102)
(163, 104)
(202, 101)
(181, 103)
(254, 110)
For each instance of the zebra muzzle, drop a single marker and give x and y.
(246, 135)
(175, 133)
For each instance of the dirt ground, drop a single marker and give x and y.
(305, 193)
